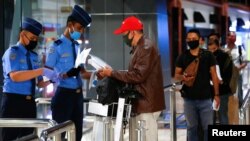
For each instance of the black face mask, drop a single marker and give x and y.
(32, 45)
(127, 40)
(193, 44)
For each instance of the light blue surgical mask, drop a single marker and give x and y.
(75, 35)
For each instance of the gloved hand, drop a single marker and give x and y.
(51, 75)
(74, 71)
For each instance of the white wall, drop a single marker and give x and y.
(190, 7)
(236, 13)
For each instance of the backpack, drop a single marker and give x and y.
(108, 90)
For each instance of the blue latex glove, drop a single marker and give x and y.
(51, 75)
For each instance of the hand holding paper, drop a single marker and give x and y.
(106, 71)
(81, 58)
(216, 103)
(97, 63)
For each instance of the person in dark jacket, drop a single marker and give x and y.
(145, 73)
(225, 67)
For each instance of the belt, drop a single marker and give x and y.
(67, 90)
(18, 96)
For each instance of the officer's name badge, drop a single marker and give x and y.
(36, 62)
(22, 61)
(65, 55)
(13, 56)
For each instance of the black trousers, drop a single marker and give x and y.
(17, 106)
(67, 104)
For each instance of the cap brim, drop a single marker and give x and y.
(118, 31)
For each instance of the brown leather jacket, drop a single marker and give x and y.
(145, 72)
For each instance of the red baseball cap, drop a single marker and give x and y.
(130, 23)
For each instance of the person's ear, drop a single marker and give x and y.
(23, 33)
(132, 32)
(70, 24)
(200, 41)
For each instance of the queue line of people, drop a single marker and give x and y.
(223, 65)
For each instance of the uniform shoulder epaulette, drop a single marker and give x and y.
(75, 42)
(58, 42)
(14, 47)
(34, 52)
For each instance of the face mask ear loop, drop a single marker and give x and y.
(70, 29)
(26, 38)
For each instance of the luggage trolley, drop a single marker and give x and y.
(110, 121)
(111, 117)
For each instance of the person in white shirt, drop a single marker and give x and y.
(238, 55)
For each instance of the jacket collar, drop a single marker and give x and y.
(139, 44)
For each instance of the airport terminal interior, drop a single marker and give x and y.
(166, 22)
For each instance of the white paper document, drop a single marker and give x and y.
(214, 106)
(92, 79)
(81, 58)
(96, 62)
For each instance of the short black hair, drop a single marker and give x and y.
(193, 30)
(140, 31)
(212, 42)
(202, 38)
(71, 19)
(214, 34)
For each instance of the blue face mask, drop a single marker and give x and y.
(75, 35)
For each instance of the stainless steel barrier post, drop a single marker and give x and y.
(107, 129)
(35, 123)
(42, 104)
(244, 110)
(247, 116)
(141, 130)
(21, 122)
(56, 130)
(43, 101)
(241, 117)
(112, 130)
(173, 112)
(32, 137)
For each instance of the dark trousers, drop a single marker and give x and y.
(67, 104)
(17, 106)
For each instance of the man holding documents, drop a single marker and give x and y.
(67, 103)
(145, 73)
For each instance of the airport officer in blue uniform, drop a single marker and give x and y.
(67, 103)
(20, 70)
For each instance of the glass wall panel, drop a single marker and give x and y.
(107, 15)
